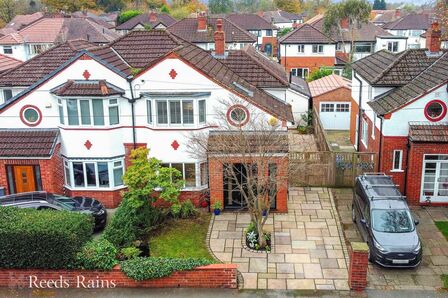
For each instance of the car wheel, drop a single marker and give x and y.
(353, 214)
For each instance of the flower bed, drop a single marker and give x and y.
(210, 276)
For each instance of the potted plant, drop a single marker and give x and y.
(217, 206)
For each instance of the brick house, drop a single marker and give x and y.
(332, 99)
(148, 88)
(403, 99)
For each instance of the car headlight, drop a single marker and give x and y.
(379, 247)
(418, 247)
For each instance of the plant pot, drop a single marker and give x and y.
(217, 211)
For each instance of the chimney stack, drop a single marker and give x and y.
(220, 43)
(202, 22)
(153, 16)
(344, 23)
(433, 35)
(397, 13)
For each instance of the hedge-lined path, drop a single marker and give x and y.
(308, 251)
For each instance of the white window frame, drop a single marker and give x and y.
(68, 165)
(303, 70)
(343, 107)
(324, 107)
(106, 114)
(4, 96)
(400, 161)
(317, 48)
(36, 49)
(197, 177)
(365, 132)
(301, 48)
(373, 125)
(392, 44)
(113, 105)
(9, 48)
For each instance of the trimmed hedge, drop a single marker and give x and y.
(97, 255)
(150, 268)
(45, 239)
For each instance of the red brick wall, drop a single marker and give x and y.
(389, 145)
(211, 276)
(312, 63)
(51, 171)
(216, 180)
(110, 199)
(357, 272)
(273, 41)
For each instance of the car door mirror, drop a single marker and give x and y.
(416, 221)
(363, 221)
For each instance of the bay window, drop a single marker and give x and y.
(202, 111)
(88, 112)
(93, 174)
(113, 112)
(188, 172)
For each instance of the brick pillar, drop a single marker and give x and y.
(357, 272)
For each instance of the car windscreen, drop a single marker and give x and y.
(64, 202)
(392, 220)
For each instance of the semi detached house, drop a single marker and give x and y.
(78, 110)
(403, 99)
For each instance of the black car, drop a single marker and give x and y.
(385, 222)
(44, 200)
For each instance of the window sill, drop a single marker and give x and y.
(396, 171)
(94, 188)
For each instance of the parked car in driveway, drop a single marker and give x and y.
(385, 222)
(44, 200)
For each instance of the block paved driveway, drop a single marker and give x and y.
(435, 249)
(308, 250)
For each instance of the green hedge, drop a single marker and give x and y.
(97, 255)
(149, 268)
(127, 15)
(48, 239)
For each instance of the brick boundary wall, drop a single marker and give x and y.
(210, 276)
(357, 272)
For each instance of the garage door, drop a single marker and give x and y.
(335, 115)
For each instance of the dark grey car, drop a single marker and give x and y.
(385, 222)
(44, 200)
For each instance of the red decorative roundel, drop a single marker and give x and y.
(30, 115)
(238, 115)
(435, 110)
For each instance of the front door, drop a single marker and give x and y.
(435, 179)
(24, 178)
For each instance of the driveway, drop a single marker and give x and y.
(435, 249)
(308, 250)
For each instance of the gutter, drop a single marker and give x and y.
(358, 141)
(132, 101)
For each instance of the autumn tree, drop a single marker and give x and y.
(10, 8)
(344, 19)
(69, 5)
(442, 16)
(220, 6)
(293, 6)
(313, 7)
(245, 153)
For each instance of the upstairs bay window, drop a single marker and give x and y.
(93, 174)
(176, 112)
(89, 112)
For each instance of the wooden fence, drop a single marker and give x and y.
(319, 133)
(328, 168)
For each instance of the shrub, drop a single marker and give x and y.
(176, 208)
(187, 209)
(150, 268)
(130, 224)
(46, 239)
(127, 15)
(97, 255)
(130, 252)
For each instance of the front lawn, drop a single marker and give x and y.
(182, 238)
(443, 227)
(445, 280)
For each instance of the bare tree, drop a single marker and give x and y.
(252, 150)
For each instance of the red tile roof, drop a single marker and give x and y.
(250, 21)
(20, 143)
(428, 132)
(7, 63)
(306, 33)
(144, 19)
(87, 88)
(187, 29)
(420, 21)
(327, 84)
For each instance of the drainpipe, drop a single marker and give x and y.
(132, 101)
(408, 149)
(358, 141)
(381, 143)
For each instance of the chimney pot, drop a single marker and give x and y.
(202, 21)
(219, 38)
(433, 35)
(397, 13)
(153, 16)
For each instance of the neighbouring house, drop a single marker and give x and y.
(200, 31)
(21, 21)
(47, 32)
(77, 111)
(366, 39)
(306, 49)
(401, 102)
(382, 17)
(411, 26)
(282, 19)
(6, 63)
(151, 20)
(332, 98)
(265, 31)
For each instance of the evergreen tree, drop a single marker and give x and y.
(220, 6)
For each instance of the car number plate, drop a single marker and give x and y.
(400, 261)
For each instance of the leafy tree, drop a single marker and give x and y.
(442, 16)
(313, 7)
(319, 73)
(69, 5)
(246, 5)
(293, 6)
(155, 4)
(354, 12)
(165, 9)
(10, 8)
(267, 5)
(111, 5)
(220, 6)
(183, 8)
(284, 31)
(127, 15)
